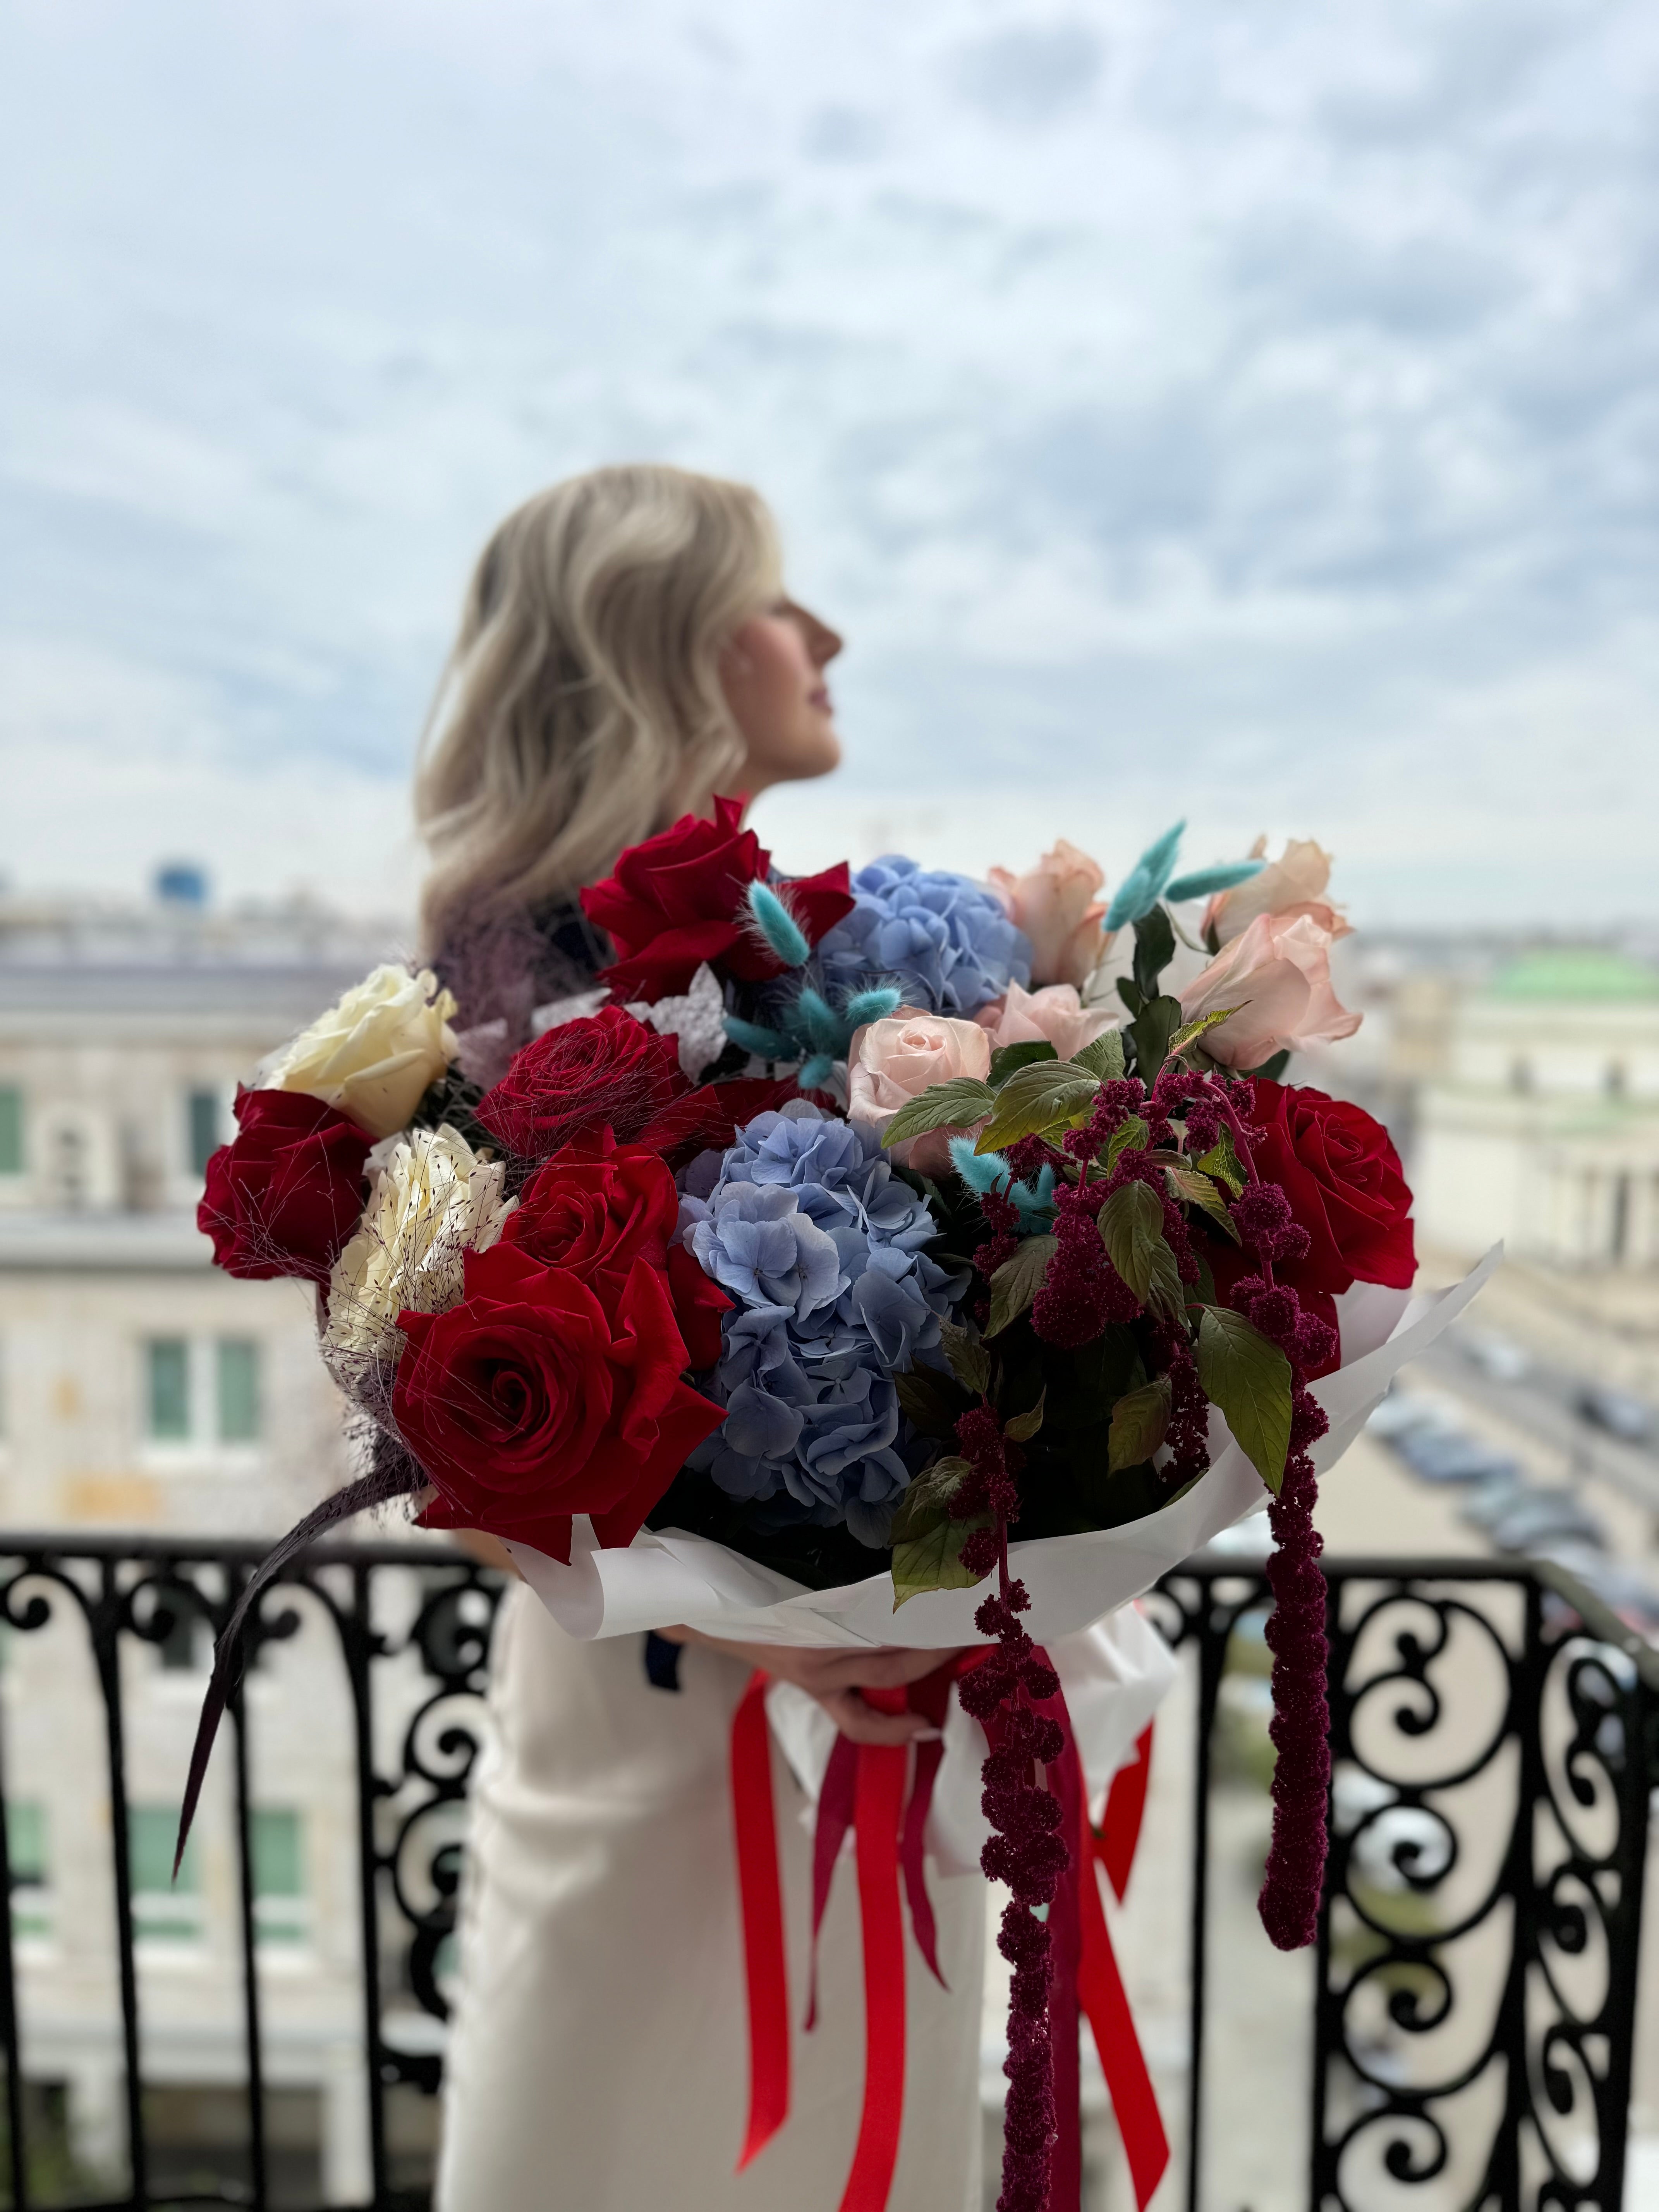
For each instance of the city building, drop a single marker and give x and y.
(142, 1393)
(1543, 1125)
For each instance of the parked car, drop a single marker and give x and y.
(1439, 1456)
(1491, 1497)
(1617, 1412)
(1539, 1517)
(1622, 1587)
(1405, 1413)
(1500, 1357)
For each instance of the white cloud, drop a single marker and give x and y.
(1250, 413)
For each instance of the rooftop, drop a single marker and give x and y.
(1576, 972)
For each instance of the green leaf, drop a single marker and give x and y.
(1131, 993)
(1132, 1229)
(1203, 1292)
(1140, 1420)
(1017, 1281)
(954, 1105)
(1150, 1033)
(1008, 1057)
(927, 1542)
(1198, 1190)
(1024, 1426)
(1104, 1057)
(929, 1496)
(1047, 1095)
(1154, 949)
(929, 1401)
(970, 1363)
(1190, 1032)
(1130, 1136)
(1250, 1380)
(1221, 1161)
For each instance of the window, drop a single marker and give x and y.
(280, 1911)
(163, 1910)
(204, 1112)
(11, 1130)
(168, 1414)
(26, 1846)
(239, 1390)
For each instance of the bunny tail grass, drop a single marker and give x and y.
(397, 1478)
(783, 934)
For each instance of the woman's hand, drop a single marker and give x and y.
(834, 1679)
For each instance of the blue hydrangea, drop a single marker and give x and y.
(946, 943)
(821, 1245)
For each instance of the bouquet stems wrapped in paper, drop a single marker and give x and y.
(877, 1268)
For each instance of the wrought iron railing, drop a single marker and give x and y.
(1496, 1734)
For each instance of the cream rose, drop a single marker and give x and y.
(1292, 884)
(374, 1054)
(1055, 904)
(893, 1061)
(1054, 1014)
(434, 1200)
(1277, 978)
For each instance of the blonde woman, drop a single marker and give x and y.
(626, 651)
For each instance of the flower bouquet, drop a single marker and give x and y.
(890, 1258)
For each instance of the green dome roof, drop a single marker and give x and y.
(1576, 972)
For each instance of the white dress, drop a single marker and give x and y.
(598, 2057)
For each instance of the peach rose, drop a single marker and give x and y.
(1292, 884)
(891, 1062)
(1054, 1013)
(1055, 904)
(1277, 977)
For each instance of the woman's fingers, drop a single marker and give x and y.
(862, 1723)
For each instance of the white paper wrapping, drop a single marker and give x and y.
(1115, 1675)
(665, 1578)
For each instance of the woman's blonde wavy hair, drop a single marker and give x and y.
(581, 709)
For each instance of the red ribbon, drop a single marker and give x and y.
(864, 1788)
(1099, 1985)
(761, 1894)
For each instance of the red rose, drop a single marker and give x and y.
(286, 1194)
(600, 1206)
(607, 1069)
(542, 1395)
(679, 899)
(1341, 1174)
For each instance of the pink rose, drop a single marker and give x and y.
(1292, 884)
(1277, 977)
(893, 1061)
(1055, 904)
(1054, 1013)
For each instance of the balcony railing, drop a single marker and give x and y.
(1496, 1738)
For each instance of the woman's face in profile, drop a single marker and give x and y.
(772, 674)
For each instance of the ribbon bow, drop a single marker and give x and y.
(864, 1788)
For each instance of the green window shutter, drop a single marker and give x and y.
(152, 1835)
(281, 1915)
(239, 1390)
(25, 1843)
(168, 1358)
(163, 1910)
(31, 1874)
(11, 1130)
(203, 1129)
(278, 1853)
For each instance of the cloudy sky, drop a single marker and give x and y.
(1249, 411)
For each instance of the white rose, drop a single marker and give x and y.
(434, 1200)
(374, 1054)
